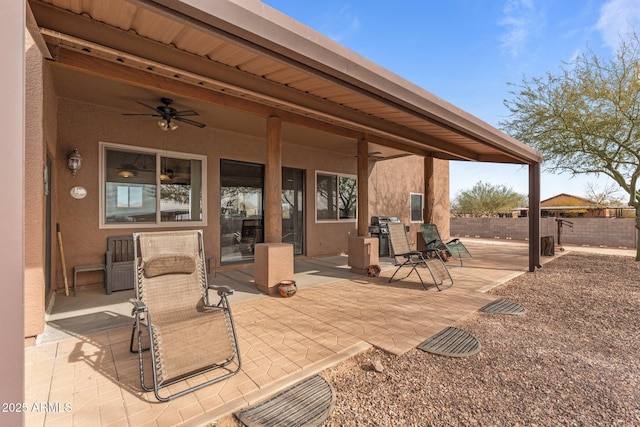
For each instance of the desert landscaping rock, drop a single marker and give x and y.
(572, 360)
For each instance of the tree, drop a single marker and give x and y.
(485, 199)
(605, 197)
(586, 120)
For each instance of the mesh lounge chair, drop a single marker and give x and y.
(414, 259)
(187, 335)
(454, 248)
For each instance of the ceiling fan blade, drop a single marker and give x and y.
(141, 114)
(189, 122)
(148, 106)
(186, 113)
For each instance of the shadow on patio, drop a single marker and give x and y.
(334, 315)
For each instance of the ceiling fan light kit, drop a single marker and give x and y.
(166, 125)
(169, 115)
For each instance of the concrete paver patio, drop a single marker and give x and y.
(94, 379)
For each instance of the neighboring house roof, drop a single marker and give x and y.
(247, 56)
(567, 200)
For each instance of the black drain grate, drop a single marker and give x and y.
(502, 306)
(452, 342)
(307, 403)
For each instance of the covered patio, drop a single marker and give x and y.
(292, 130)
(333, 316)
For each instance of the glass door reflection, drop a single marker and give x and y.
(241, 210)
(293, 209)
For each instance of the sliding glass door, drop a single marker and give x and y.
(241, 214)
(293, 209)
(241, 209)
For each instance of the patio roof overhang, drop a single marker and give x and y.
(248, 57)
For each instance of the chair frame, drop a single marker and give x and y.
(439, 244)
(143, 319)
(415, 259)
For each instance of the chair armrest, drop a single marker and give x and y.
(222, 290)
(435, 251)
(138, 306)
(409, 254)
(453, 241)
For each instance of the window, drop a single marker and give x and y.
(417, 206)
(336, 197)
(149, 188)
(129, 196)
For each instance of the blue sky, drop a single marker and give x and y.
(465, 52)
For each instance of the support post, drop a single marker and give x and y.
(12, 28)
(436, 192)
(429, 190)
(363, 187)
(534, 216)
(273, 182)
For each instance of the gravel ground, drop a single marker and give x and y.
(573, 359)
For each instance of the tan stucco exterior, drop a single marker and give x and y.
(84, 126)
(34, 198)
(13, 196)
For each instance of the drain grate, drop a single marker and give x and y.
(307, 403)
(502, 306)
(452, 342)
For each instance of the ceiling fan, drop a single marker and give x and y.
(169, 115)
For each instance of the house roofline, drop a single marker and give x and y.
(271, 31)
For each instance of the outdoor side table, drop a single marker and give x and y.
(85, 268)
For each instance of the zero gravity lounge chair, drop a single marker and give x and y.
(414, 259)
(186, 334)
(454, 248)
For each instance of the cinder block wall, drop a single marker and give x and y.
(610, 232)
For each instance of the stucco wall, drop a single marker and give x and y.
(441, 201)
(390, 185)
(322, 237)
(392, 181)
(12, 194)
(34, 199)
(84, 126)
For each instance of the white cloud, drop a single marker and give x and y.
(520, 20)
(617, 19)
(347, 22)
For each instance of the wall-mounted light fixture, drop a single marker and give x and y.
(74, 161)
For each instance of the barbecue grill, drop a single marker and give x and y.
(379, 228)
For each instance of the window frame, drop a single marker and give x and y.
(411, 220)
(315, 200)
(159, 153)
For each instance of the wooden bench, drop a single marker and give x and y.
(84, 268)
(119, 264)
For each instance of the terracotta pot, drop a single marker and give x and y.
(287, 288)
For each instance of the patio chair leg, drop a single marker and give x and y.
(413, 268)
(133, 334)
